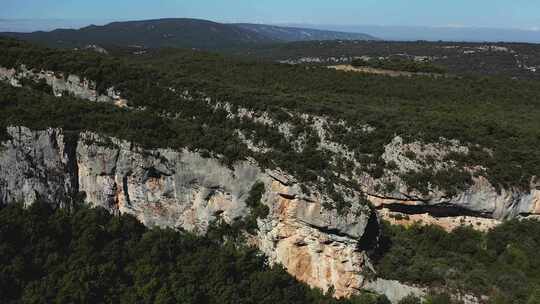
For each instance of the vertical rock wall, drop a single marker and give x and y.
(181, 189)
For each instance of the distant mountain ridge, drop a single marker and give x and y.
(448, 33)
(179, 32)
(291, 34)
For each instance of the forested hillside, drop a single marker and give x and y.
(324, 127)
(86, 255)
(178, 32)
(188, 33)
(484, 113)
(501, 263)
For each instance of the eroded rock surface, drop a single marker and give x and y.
(181, 189)
(62, 84)
(481, 200)
(36, 165)
(164, 188)
(314, 244)
(394, 290)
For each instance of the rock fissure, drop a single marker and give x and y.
(125, 188)
(72, 167)
(370, 239)
(287, 196)
(331, 231)
(408, 198)
(439, 210)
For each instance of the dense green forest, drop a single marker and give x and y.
(502, 263)
(84, 255)
(494, 113)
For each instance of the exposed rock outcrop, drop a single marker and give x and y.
(314, 244)
(448, 223)
(481, 205)
(62, 84)
(181, 189)
(394, 290)
(164, 188)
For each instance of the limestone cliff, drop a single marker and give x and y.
(36, 165)
(480, 205)
(182, 190)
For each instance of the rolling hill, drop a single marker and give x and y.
(185, 33)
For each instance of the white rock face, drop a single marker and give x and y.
(33, 165)
(62, 84)
(394, 290)
(481, 198)
(181, 189)
(164, 188)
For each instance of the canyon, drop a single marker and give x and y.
(184, 190)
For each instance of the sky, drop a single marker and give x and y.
(520, 14)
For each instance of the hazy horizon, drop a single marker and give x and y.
(516, 14)
(42, 24)
(385, 32)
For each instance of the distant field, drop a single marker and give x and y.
(368, 70)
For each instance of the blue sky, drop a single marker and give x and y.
(524, 14)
